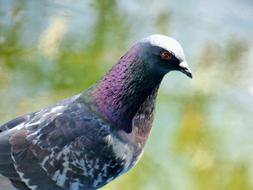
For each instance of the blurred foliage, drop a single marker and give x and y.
(50, 50)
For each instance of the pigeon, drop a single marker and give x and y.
(86, 141)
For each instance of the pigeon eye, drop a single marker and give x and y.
(166, 55)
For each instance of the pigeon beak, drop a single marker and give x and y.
(184, 68)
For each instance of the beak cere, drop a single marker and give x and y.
(184, 68)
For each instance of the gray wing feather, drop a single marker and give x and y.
(15, 122)
(7, 168)
(34, 153)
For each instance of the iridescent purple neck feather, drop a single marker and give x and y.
(120, 94)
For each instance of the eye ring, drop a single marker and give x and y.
(166, 55)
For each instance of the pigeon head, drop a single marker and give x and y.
(163, 54)
(136, 77)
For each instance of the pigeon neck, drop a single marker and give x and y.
(120, 94)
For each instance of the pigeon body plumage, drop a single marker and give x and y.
(86, 141)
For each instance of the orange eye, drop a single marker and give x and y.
(166, 55)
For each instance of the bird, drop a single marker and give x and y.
(86, 141)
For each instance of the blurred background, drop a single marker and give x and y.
(203, 135)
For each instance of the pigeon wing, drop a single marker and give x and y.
(46, 151)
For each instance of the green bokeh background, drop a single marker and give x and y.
(202, 135)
